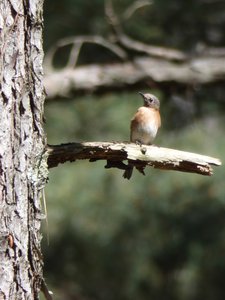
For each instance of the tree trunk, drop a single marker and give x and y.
(22, 141)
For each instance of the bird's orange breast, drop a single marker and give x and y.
(144, 125)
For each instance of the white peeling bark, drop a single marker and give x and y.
(22, 142)
(138, 156)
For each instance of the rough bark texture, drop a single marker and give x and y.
(22, 141)
(138, 156)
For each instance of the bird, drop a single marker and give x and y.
(144, 125)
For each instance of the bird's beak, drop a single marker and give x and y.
(141, 94)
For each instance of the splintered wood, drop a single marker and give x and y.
(139, 156)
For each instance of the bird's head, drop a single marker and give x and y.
(150, 100)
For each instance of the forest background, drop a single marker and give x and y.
(161, 236)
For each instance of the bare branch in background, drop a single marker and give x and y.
(199, 71)
(127, 42)
(134, 7)
(77, 42)
(151, 65)
(74, 55)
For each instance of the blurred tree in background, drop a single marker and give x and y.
(161, 236)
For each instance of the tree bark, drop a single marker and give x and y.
(23, 169)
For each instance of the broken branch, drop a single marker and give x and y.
(139, 156)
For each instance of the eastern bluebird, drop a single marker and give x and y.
(145, 124)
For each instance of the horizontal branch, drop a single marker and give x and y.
(138, 156)
(201, 70)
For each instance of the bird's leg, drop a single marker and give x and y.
(138, 143)
(143, 149)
